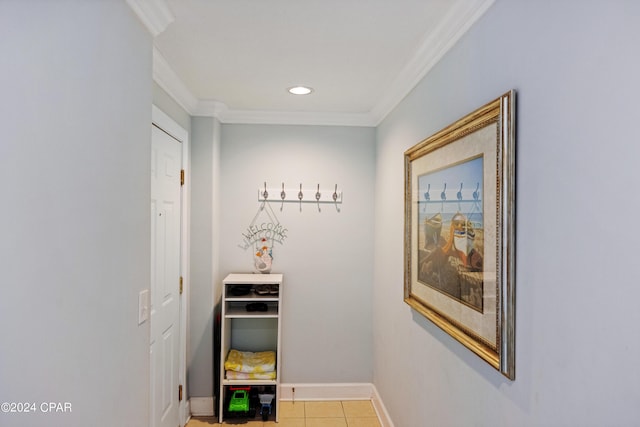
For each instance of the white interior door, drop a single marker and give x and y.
(166, 163)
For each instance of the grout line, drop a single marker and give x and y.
(258, 423)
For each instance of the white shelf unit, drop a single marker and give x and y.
(245, 330)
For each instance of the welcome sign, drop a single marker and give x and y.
(269, 229)
(266, 230)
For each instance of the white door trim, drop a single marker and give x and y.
(167, 124)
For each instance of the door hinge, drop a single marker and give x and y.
(181, 176)
(180, 393)
(180, 285)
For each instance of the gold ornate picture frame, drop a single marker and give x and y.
(460, 231)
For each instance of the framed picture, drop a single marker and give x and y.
(460, 231)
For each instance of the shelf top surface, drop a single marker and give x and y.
(252, 279)
(251, 297)
(249, 382)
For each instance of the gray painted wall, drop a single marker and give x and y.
(205, 154)
(75, 242)
(74, 223)
(327, 258)
(575, 67)
(170, 107)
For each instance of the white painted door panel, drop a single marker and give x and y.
(166, 164)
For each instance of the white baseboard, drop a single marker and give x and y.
(381, 410)
(337, 391)
(202, 406)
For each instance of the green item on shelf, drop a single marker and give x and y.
(239, 401)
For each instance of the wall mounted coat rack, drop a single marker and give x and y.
(300, 195)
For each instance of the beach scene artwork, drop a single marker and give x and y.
(459, 241)
(451, 231)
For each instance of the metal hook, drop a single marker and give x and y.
(443, 195)
(282, 193)
(335, 194)
(476, 194)
(265, 193)
(318, 195)
(300, 196)
(459, 193)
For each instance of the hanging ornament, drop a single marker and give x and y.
(264, 231)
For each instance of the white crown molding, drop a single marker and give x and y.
(435, 45)
(295, 118)
(154, 14)
(168, 80)
(210, 108)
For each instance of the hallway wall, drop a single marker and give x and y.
(574, 66)
(170, 107)
(74, 225)
(205, 230)
(326, 258)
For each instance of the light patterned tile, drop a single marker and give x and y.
(286, 422)
(319, 414)
(323, 409)
(203, 422)
(291, 410)
(326, 422)
(358, 408)
(243, 421)
(363, 422)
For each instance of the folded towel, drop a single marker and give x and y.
(249, 362)
(233, 375)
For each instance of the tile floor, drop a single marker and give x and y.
(347, 413)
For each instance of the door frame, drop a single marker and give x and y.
(168, 125)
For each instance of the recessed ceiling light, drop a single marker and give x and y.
(300, 90)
